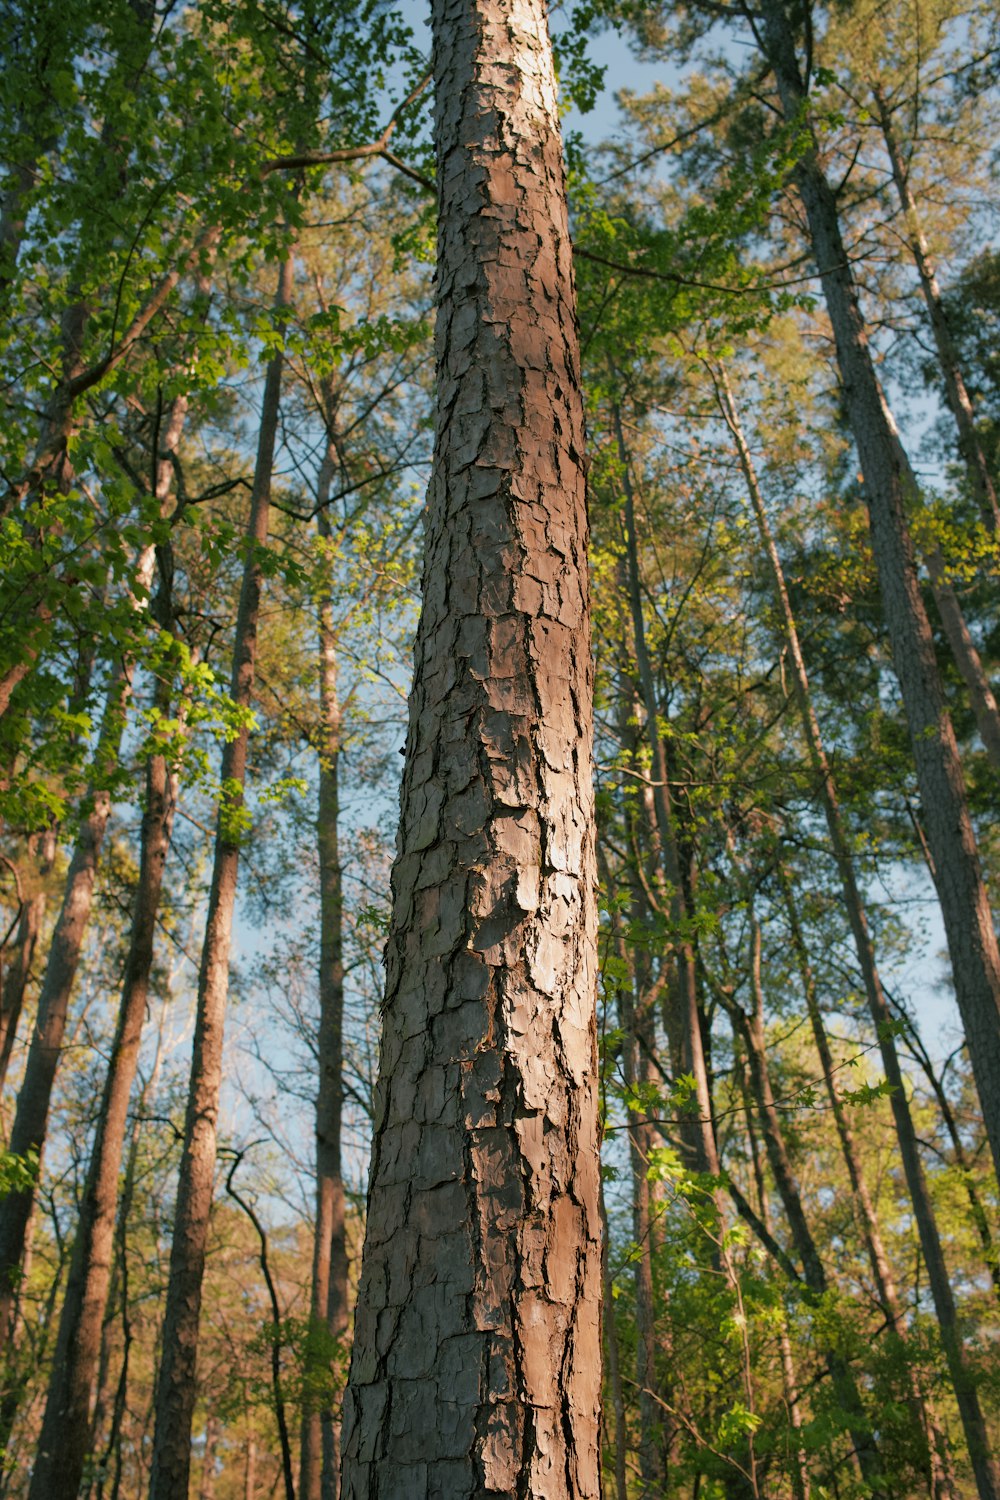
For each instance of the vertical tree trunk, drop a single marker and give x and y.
(977, 1211)
(640, 1135)
(35, 1096)
(941, 1479)
(699, 1134)
(319, 1476)
(751, 1029)
(789, 1379)
(968, 922)
(477, 1348)
(985, 1466)
(614, 1367)
(176, 1384)
(42, 849)
(948, 358)
(65, 1435)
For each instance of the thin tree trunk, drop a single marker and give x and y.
(42, 851)
(206, 1489)
(477, 1347)
(699, 1134)
(614, 1364)
(957, 392)
(66, 1427)
(751, 1029)
(319, 1477)
(968, 922)
(177, 1381)
(941, 1479)
(976, 1209)
(987, 1472)
(789, 1378)
(35, 1096)
(639, 1134)
(963, 650)
(109, 1406)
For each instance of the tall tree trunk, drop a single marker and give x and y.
(477, 1348)
(986, 1469)
(66, 1427)
(948, 358)
(968, 923)
(113, 1368)
(751, 1029)
(789, 1379)
(963, 650)
(176, 1388)
(941, 1479)
(614, 1366)
(42, 852)
(699, 1134)
(319, 1475)
(641, 1136)
(35, 1096)
(977, 1210)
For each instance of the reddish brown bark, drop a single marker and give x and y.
(476, 1362)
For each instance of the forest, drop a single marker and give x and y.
(499, 993)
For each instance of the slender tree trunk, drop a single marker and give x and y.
(699, 1134)
(66, 1425)
(640, 1140)
(963, 650)
(177, 1381)
(751, 1028)
(941, 1479)
(987, 1472)
(319, 1476)
(957, 392)
(968, 923)
(976, 1209)
(965, 655)
(35, 1096)
(789, 1378)
(614, 1366)
(206, 1489)
(477, 1347)
(42, 849)
(110, 1404)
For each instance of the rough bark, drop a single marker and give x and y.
(477, 1348)
(176, 1385)
(972, 941)
(319, 1473)
(42, 850)
(987, 1472)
